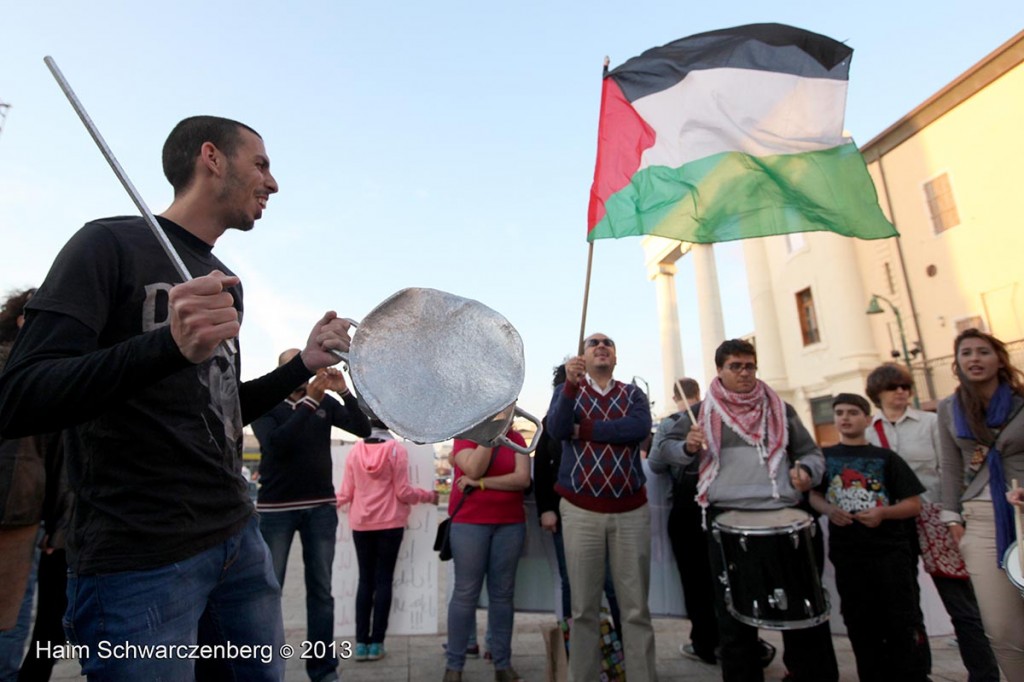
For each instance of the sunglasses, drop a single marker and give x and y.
(896, 387)
(737, 367)
(594, 343)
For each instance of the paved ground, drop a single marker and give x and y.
(420, 659)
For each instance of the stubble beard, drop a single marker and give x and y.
(233, 193)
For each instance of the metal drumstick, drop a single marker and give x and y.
(151, 221)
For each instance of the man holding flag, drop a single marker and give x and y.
(605, 517)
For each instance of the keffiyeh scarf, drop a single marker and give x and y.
(758, 417)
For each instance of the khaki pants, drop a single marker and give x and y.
(1001, 603)
(626, 537)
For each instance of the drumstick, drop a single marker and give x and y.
(689, 410)
(1017, 525)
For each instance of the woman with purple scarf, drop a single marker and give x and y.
(981, 438)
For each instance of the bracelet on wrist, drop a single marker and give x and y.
(482, 486)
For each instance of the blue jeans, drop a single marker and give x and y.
(317, 528)
(377, 554)
(480, 550)
(563, 574)
(226, 595)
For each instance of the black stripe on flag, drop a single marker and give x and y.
(763, 47)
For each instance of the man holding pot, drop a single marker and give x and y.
(142, 372)
(601, 423)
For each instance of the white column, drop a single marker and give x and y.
(770, 362)
(709, 306)
(668, 328)
(839, 301)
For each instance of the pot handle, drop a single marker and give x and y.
(343, 355)
(534, 442)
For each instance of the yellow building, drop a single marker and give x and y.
(948, 175)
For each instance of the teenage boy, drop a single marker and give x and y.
(871, 496)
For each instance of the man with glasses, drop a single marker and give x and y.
(755, 455)
(601, 423)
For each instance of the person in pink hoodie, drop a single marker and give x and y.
(376, 490)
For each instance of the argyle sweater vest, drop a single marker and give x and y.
(598, 476)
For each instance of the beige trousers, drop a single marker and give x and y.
(1001, 603)
(626, 537)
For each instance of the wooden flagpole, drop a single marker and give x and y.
(590, 259)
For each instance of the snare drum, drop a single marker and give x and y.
(771, 577)
(1011, 564)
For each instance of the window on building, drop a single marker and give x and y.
(808, 318)
(941, 204)
(974, 321)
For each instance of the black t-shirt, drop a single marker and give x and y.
(859, 477)
(154, 455)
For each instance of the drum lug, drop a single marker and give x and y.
(807, 608)
(795, 537)
(778, 599)
(743, 542)
(757, 610)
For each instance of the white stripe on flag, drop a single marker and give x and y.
(740, 110)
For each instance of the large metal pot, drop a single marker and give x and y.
(434, 366)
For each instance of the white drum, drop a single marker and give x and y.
(1011, 564)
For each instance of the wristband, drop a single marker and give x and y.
(482, 486)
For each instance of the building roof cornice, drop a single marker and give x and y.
(998, 62)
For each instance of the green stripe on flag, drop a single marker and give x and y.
(738, 196)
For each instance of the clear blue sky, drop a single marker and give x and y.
(441, 144)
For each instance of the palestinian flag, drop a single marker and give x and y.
(728, 135)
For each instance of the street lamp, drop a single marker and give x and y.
(875, 308)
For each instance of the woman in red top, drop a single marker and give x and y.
(487, 536)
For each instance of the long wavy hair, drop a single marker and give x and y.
(970, 398)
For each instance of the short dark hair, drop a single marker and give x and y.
(852, 399)
(182, 145)
(733, 347)
(882, 377)
(690, 388)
